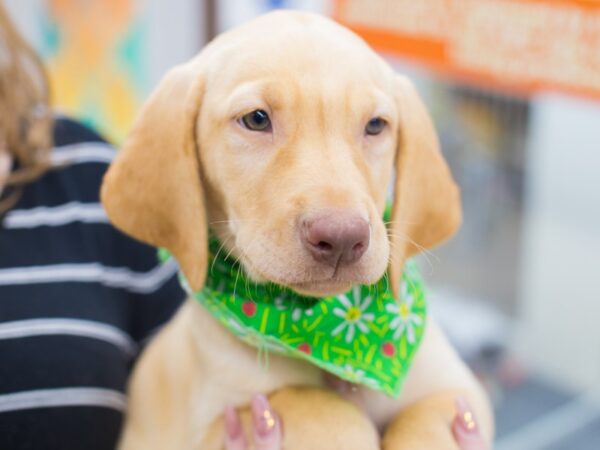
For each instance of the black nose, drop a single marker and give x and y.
(336, 239)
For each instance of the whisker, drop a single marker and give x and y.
(228, 255)
(427, 254)
(221, 246)
(237, 276)
(412, 241)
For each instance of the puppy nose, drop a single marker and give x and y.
(336, 239)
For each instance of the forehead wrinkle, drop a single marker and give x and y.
(383, 106)
(260, 93)
(244, 95)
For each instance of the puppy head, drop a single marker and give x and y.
(282, 136)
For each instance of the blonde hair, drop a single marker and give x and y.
(25, 119)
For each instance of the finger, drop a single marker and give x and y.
(234, 435)
(265, 424)
(465, 429)
(337, 384)
(349, 391)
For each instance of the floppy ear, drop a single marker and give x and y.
(152, 191)
(426, 207)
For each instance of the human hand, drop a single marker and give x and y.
(465, 429)
(266, 427)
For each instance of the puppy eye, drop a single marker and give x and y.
(375, 126)
(257, 120)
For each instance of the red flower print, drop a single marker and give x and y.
(249, 308)
(305, 347)
(388, 349)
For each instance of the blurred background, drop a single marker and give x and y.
(514, 89)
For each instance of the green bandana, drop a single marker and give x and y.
(364, 336)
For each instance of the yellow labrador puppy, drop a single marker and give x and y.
(288, 123)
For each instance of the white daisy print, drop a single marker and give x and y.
(353, 314)
(297, 313)
(352, 374)
(405, 320)
(281, 303)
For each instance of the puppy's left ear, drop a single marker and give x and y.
(426, 207)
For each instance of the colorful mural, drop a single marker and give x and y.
(95, 55)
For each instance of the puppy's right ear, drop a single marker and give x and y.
(426, 208)
(153, 190)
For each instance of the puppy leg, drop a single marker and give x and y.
(427, 409)
(159, 391)
(313, 419)
(426, 424)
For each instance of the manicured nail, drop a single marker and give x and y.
(233, 426)
(263, 416)
(465, 418)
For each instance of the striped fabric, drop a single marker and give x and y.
(78, 300)
(56, 215)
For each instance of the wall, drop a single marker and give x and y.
(235, 12)
(560, 285)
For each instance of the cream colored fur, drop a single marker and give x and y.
(189, 164)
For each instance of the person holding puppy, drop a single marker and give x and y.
(78, 299)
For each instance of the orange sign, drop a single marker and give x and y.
(522, 45)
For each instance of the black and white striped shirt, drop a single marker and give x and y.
(77, 300)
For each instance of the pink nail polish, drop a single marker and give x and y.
(263, 416)
(465, 417)
(233, 426)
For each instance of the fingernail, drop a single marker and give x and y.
(263, 416)
(465, 417)
(233, 426)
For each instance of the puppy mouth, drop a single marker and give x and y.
(309, 286)
(321, 288)
(311, 280)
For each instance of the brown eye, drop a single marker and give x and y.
(375, 126)
(257, 120)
